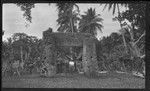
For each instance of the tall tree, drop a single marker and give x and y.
(114, 6)
(90, 22)
(67, 16)
(136, 16)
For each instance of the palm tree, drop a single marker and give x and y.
(90, 22)
(114, 6)
(67, 17)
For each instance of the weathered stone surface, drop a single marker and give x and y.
(53, 40)
(89, 57)
(68, 39)
(49, 52)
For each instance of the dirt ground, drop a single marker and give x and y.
(105, 80)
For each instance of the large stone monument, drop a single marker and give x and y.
(87, 41)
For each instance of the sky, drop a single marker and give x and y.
(45, 16)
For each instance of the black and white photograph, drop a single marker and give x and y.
(73, 45)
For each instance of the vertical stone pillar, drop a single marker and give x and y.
(93, 62)
(89, 57)
(84, 58)
(49, 53)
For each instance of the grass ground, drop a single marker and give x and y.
(105, 80)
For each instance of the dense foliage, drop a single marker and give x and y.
(133, 36)
(90, 22)
(118, 51)
(23, 47)
(67, 17)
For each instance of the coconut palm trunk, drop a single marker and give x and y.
(71, 25)
(11, 54)
(26, 56)
(21, 64)
(124, 41)
(29, 52)
(21, 53)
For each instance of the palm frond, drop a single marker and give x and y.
(114, 8)
(65, 14)
(90, 22)
(78, 10)
(97, 20)
(115, 19)
(64, 28)
(110, 6)
(105, 7)
(99, 26)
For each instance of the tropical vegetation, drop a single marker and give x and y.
(124, 50)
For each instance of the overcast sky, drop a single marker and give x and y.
(45, 16)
